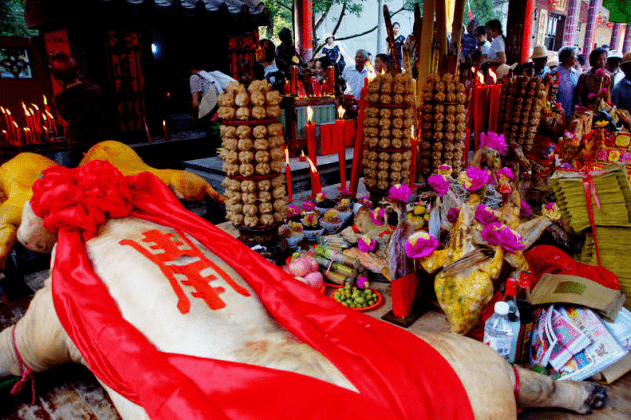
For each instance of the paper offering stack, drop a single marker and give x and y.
(573, 341)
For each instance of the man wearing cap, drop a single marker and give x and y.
(613, 65)
(622, 91)
(567, 76)
(540, 59)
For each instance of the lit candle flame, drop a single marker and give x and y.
(2, 109)
(341, 111)
(412, 132)
(25, 109)
(8, 111)
(313, 168)
(493, 76)
(168, 94)
(309, 114)
(164, 124)
(45, 100)
(35, 106)
(371, 71)
(287, 156)
(302, 153)
(481, 77)
(16, 125)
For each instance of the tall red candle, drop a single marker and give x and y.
(164, 130)
(495, 91)
(310, 130)
(287, 87)
(339, 128)
(316, 187)
(479, 108)
(413, 158)
(288, 176)
(293, 73)
(331, 79)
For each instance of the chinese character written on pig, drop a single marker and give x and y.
(172, 250)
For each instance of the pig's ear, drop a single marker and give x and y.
(32, 233)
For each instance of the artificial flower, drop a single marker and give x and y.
(497, 234)
(485, 215)
(474, 179)
(614, 156)
(331, 215)
(366, 243)
(377, 216)
(308, 206)
(344, 205)
(552, 211)
(569, 135)
(345, 193)
(420, 244)
(525, 211)
(362, 282)
(320, 197)
(400, 192)
(439, 183)
(292, 211)
(494, 141)
(592, 96)
(445, 170)
(365, 201)
(310, 220)
(452, 214)
(295, 227)
(506, 172)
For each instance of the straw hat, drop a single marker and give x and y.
(540, 51)
(626, 58)
(502, 70)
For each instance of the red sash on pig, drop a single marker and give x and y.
(398, 375)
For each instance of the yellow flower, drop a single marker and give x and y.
(614, 156)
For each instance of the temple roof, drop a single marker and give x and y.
(42, 12)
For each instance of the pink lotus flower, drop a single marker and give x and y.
(362, 282)
(525, 211)
(474, 179)
(506, 172)
(320, 197)
(420, 244)
(377, 216)
(494, 141)
(439, 183)
(400, 192)
(452, 214)
(366, 243)
(308, 206)
(365, 201)
(292, 211)
(497, 234)
(485, 215)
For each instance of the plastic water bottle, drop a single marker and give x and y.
(513, 315)
(498, 332)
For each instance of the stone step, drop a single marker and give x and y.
(328, 167)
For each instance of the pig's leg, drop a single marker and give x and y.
(537, 390)
(39, 337)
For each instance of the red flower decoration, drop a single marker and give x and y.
(82, 198)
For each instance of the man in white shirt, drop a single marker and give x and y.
(613, 66)
(354, 75)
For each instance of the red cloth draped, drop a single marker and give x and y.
(398, 375)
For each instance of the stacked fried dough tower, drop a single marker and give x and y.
(388, 130)
(443, 124)
(520, 109)
(252, 154)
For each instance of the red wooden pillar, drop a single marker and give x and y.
(304, 30)
(519, 30)
(626, 45)
(571, 23)
(615, 36)
(590, 27)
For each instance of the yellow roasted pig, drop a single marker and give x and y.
(186, 185)
(17, 177)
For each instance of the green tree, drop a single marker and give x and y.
(485, 10)
(12, 22)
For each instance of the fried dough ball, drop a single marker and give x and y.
(242, 99)
(275, 129)
(242, 113)
(381, 175)
(244, 144)
(229, 143)
(385, 98)
(279, 205)
(259, 112)
(231, 184)
(273, 97)
(371, 141)
(261, 144)
(246, 169)
(225, 113)
(279, 192)
(225, 99)
(237, 219)
(262, 156)
(230, 169)
(230, 156)
(384, 143)
(259, 132)
(248, 198)
(372, 111)
(396, 143)
(385, 113)
(250, 221)
(273, 111)
(277, 153)
(262, 168)
(371, 122)
(227, 130)
(250, 209)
